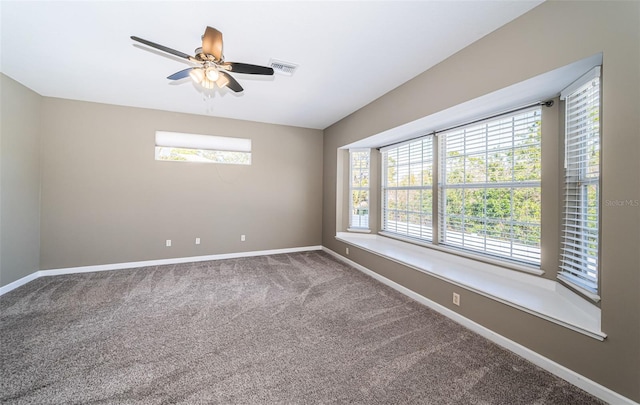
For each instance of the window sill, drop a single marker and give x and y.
(475, 257)
(535, 295)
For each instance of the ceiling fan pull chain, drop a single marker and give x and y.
(207, 97)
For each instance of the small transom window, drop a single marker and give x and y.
(179, 147)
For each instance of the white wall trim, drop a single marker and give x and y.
(24, 280)
(551, 366)
(146, 263)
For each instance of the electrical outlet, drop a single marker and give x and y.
(456, 299)
(347, 250)
(168, 243)
(197, 241)
(242, 238)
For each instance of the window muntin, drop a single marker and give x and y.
(359, 169)
(180, 147)
(407, 193)
(489, 188)
(580, 214)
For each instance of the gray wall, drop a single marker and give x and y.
(19, 181)
(106, 200)
(550, 36)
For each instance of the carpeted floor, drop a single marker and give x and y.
(298, 329)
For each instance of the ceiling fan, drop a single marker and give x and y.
(211, 67)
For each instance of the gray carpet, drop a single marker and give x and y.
(297, 329)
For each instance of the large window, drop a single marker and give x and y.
(407, 189)
(474, 187)
(579, 257)
(489, 194)
(359, 189)
(489, 188)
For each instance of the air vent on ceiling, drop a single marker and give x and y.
(283, 68)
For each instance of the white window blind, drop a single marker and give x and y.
(489, 188)
(181, 147)
(359, 188)
(407, 189)
(580, 224)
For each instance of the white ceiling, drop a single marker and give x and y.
(349, 53)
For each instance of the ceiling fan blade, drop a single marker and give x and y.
(247, 68)
(181, 74)
(162, 48)
(212, 43)
(232, 84)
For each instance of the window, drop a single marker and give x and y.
(174, 146)
(489, 192)
(489, 189)
(359, 189)
(407, 189)
(580, 224)
(467, 188)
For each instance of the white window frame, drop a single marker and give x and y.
(492, 138)
(579, 261)
(363, 223)
(413, 159)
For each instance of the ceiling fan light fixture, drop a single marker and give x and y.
(197, 75)
(212, 74)
(222, 81)
(207, 84)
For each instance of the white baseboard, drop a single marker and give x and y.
(24, 280)
(551, 366)
(146, 263)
